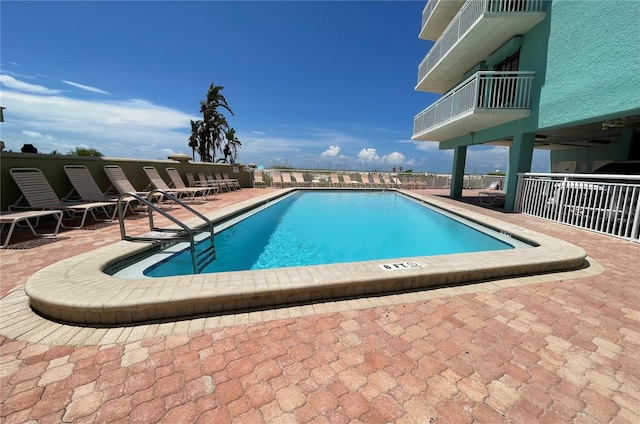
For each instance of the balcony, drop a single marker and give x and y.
(477, 30)
(436, 16)
(486, 99)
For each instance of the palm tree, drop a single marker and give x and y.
(231, 146)
(193, 139)
(206, 135)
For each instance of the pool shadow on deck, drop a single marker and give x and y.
(472, 199)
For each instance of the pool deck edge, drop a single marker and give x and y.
(77, 290)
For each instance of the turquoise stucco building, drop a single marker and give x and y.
(560, 75)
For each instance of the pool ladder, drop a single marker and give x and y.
(181, 232)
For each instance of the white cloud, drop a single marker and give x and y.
(332, 151)
(395, 158)
(85, 87)
(371, 155)
(258, 132)
(11, 82)
(368, 155)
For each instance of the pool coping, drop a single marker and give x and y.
(76, 290)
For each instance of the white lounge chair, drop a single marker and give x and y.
(286, 180)
(160, 184)
(300, 181)
(258, 181)
(233, 181)
(14, 218)
(366, 181)
(276, 179)
(177, 182)
(376, 182)
(349, 182)
(86, 189)
(335, 180)
(37, 194)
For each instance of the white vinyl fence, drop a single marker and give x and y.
(608, 204)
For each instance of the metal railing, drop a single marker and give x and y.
(465, 19)
(201, 254)
(406, 180)
(608, 204)
(483, 90)
(428, 10)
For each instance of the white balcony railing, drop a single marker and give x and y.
(483, 90)
(608, 204)
(428, 9)
(469, 14)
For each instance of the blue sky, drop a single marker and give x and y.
(312, 84)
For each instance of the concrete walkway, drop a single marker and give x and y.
(562, 347)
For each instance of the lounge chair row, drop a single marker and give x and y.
(39, 200)
(367, 180)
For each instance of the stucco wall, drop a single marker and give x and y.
(52, 166)
(593, 61)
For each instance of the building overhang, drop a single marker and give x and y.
(436, 16)
(486, 35)
(470, 122)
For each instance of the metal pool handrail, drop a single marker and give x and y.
(200, 260)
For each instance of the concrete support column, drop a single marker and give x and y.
(520, 156)
(457, 173)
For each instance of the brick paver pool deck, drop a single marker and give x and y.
(561, 347)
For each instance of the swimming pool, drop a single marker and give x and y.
(324, 227)
(79, 289)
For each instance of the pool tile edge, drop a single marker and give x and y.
(77, 291)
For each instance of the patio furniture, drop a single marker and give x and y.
(349, 182)
(14, 218)
(335, 180)
(300, 181)
(160, 184)
(491, 197)
(119, 181)
(210, 181)
(177, 182)
(221, 182)
(86, 189)
(365, 179)
(37, 194)
(258, 180)
(234, 181)
(231, 183)
(286, 180)
(376, 182)
(276, 179)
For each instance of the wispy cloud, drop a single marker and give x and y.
(85, 87)
(12, 83)
(126, 128)
(36, 134)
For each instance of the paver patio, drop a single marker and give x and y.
(562, 347)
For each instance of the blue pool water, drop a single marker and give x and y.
(313, 228)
